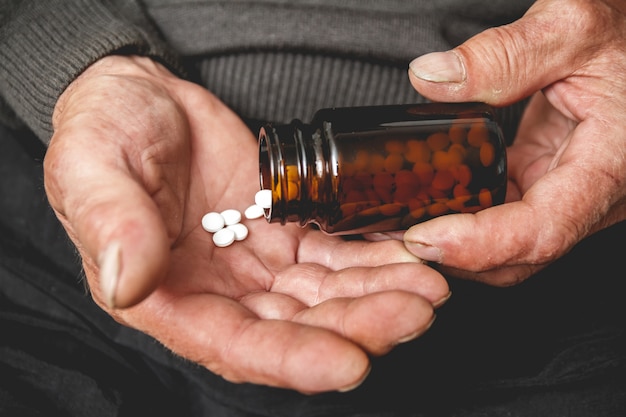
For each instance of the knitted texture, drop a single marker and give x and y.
(268, 59)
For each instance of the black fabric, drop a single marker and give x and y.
(553, 346)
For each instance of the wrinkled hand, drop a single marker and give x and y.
(137, 157)
(567, 165)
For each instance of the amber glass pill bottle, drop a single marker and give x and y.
(383, 168)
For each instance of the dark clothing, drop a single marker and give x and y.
(552, 346)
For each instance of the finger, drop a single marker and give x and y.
(505, 64)
(336, 253)
(114, 223)
(544, 133)
(231, 341)
(381, 236)
(510, 235)
(498, 277)
(312, 284)
(377, 322)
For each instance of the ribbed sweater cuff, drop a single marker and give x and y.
(48, 44)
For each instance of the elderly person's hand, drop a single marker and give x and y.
(567, 166)
(137, 158)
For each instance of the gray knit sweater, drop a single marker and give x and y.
(267, 59)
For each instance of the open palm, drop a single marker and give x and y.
(137, 158)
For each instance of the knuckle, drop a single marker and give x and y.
(552, 242)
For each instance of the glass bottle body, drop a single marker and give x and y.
(383, 168)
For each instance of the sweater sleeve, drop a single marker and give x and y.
(44, 45)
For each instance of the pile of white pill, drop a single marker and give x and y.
(226, 226)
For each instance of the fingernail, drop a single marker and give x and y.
(442, 301)
(418, 333)
(439, 67)
(357, 383)
(109, 272)
(425, 252)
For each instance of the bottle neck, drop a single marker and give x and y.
(285, 157)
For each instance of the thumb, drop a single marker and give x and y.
(132, 251)
(117, 228)
(505, 64)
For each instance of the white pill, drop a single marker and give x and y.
(240, 230)
(254, 212)
(212, 222)
(263, 198)
(231, 216)
(223, 237)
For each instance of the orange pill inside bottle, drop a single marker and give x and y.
(383, 168)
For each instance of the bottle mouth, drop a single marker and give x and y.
(277, 153)
(265, 167)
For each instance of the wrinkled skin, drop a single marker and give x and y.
(137, 157)
(567, 165)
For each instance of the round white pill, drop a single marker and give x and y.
(263, 198)
(231, 216)
(240, 230)
(223, 237)
(212, 222)
(254, 212)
